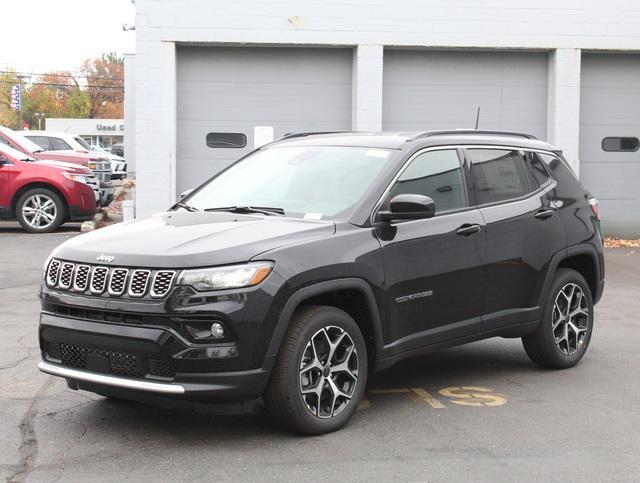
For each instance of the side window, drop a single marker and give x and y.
(41, 141)
(499, 175)
(537, 168)
(59, 145)
(436, 174)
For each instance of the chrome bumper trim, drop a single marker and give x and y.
(78, 375)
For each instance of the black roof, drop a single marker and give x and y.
(400, 140)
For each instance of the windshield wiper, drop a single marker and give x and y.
(265, 210)
(186, 206)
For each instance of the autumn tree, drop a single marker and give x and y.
(105, 85)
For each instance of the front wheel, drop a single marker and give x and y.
(40, 210)
(320, 373)
(567, 323)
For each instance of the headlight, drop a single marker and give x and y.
(79, 178)
(220, 278)
(92, 165)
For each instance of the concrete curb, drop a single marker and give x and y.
(98, 220)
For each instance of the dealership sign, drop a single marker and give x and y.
(15, 97)
(109, 127)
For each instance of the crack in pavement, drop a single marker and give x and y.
(29, 443)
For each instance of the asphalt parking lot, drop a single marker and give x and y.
(479, 412)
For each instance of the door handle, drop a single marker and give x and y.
(467, 229)
(544, 214)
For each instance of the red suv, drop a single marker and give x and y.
(42, 195)
(100, 165)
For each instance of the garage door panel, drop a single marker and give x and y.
(234, 89)
(610, 107)
(442, 90)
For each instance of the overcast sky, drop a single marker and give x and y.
(44, 35)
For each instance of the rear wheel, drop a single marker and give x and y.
(40, 210)
(567, 323)
(320, 373)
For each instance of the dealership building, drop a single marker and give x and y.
(567, 71)
(103, 132)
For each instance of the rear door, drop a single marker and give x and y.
(523, 231)
(434, 268)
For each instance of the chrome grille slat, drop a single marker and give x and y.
(138, 282)
(66, 275)
(118, 281)
(99, 279)
(52, 272)
(81, 278)
(162, 281)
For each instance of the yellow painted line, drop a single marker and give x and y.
(424, 396)
(364, 404)
(469, 396)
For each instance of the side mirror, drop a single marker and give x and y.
(184, 194)
(408, 207)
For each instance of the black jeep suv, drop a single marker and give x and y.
(321, 258)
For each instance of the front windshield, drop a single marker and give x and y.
(314, 182)
(14, 153)
(27, 144)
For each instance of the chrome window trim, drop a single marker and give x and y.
(124, 283)
(146, 282)
(378, 204)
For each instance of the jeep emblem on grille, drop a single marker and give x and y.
(105, 258)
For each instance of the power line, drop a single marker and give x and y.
(53, 73)
(63, 85)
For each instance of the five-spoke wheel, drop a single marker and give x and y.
(40, 210)
(567, 322)
(320, 373)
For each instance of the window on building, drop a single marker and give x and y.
(620, 144)
(226, 140)
(499, 175)
(436, 174)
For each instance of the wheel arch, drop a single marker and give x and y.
(38, 184)
(352, 295)
(582, 258)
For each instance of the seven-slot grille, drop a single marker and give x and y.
(115, 282)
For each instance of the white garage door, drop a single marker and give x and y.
(234, 89)
(426, 90)
(609, 133)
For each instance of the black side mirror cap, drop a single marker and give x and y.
(408, 207)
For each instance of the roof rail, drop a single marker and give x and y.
(290, 135)
(455, 132)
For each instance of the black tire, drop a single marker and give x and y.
(542, 346)
(25, 203)
(283, 397)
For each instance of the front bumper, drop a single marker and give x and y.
(106, 191)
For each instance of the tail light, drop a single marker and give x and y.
(593, 203)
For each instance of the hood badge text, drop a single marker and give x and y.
(105, 258)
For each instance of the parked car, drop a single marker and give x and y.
(42, 195)
(118, 149)
(318, 259)
(65, 142)
(98, 164)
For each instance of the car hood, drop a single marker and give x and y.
(71, 167)
(183, 239)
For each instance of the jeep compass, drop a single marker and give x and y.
(320, 258)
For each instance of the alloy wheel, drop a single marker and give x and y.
(570, 318)
(328, 372)
(39, 211)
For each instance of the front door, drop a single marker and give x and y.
(434, 268)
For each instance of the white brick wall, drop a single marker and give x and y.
(567, 25)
